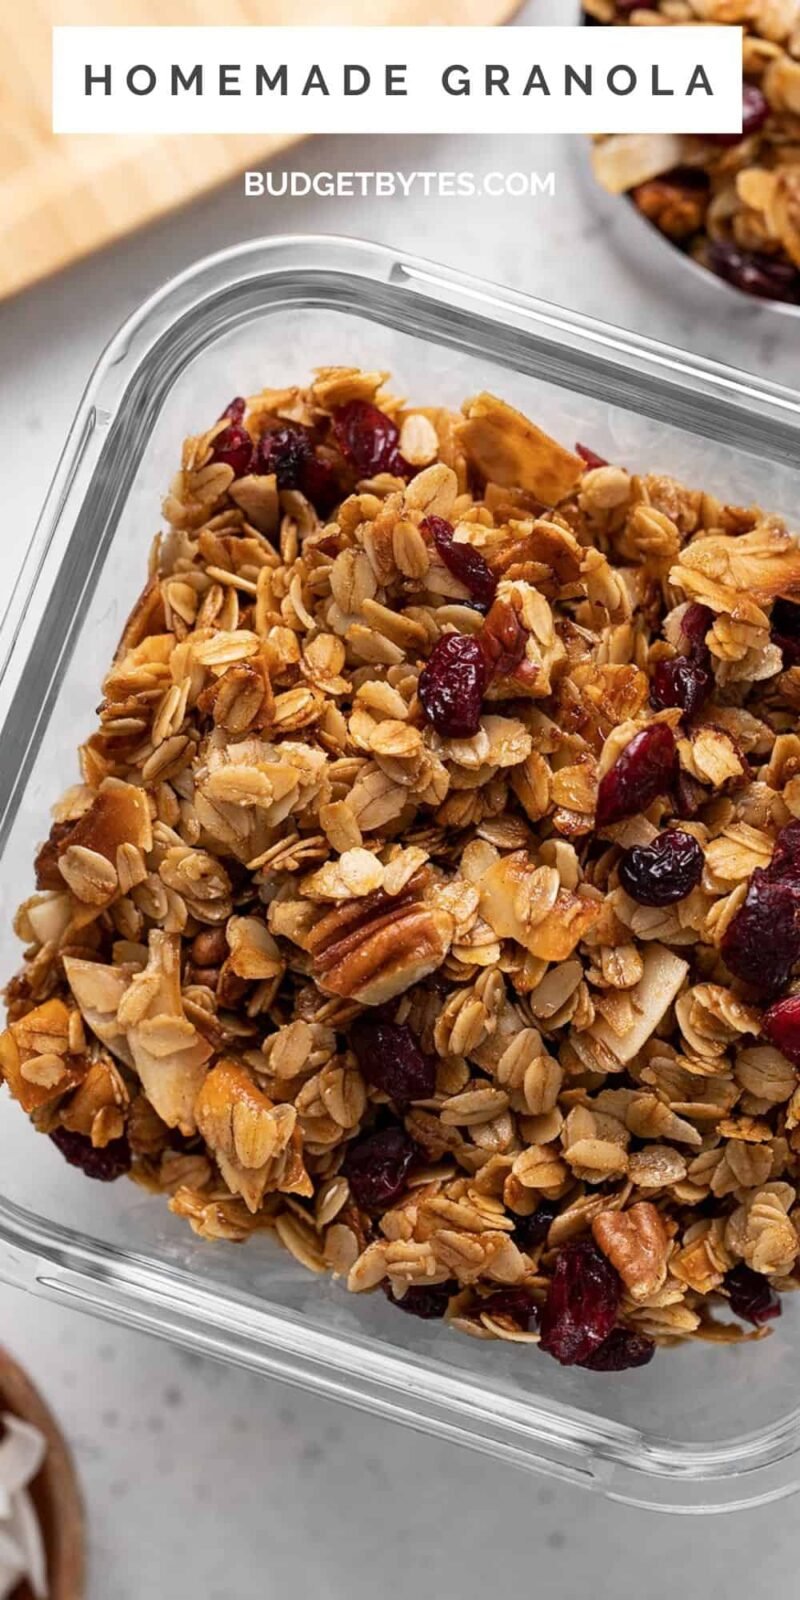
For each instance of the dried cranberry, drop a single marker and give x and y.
(463, 560)
(319, 484)
(621, 1350)
(376, 1167)
(591, 457)
(785, 861)
(785, 630)
(582, 1302)
(369, 440)
(693, 178)
(235, 410)
(766, 277)
(762, 942)
(625, 7)
(233, 447)
(284, 451)
(104, 1164)
(695, 623)
(680, 682)
(690, 796)
(390, 1058)
(686, 680)
(517, 1304)
(781, 1025)
(755, 110)
(452, 685)
(644, 770)
(421, 1300)
(660, 873)
(529, 1232)
(752, 1295)
(288, 452)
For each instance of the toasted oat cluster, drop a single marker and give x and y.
(431, 896)
(732, 202)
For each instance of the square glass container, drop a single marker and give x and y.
(703, 1428)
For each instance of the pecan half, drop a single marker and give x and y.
(678, 209)
(637, 1244)
(374, 948)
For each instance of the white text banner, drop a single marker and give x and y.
(397, 80)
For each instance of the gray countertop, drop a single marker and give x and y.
(203, 1482)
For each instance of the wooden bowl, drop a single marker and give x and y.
(55, 1491)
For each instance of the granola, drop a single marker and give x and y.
(430, 896)
(733, 203)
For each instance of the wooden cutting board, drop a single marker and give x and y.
(62, 197)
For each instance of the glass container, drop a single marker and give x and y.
(701, 1428)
